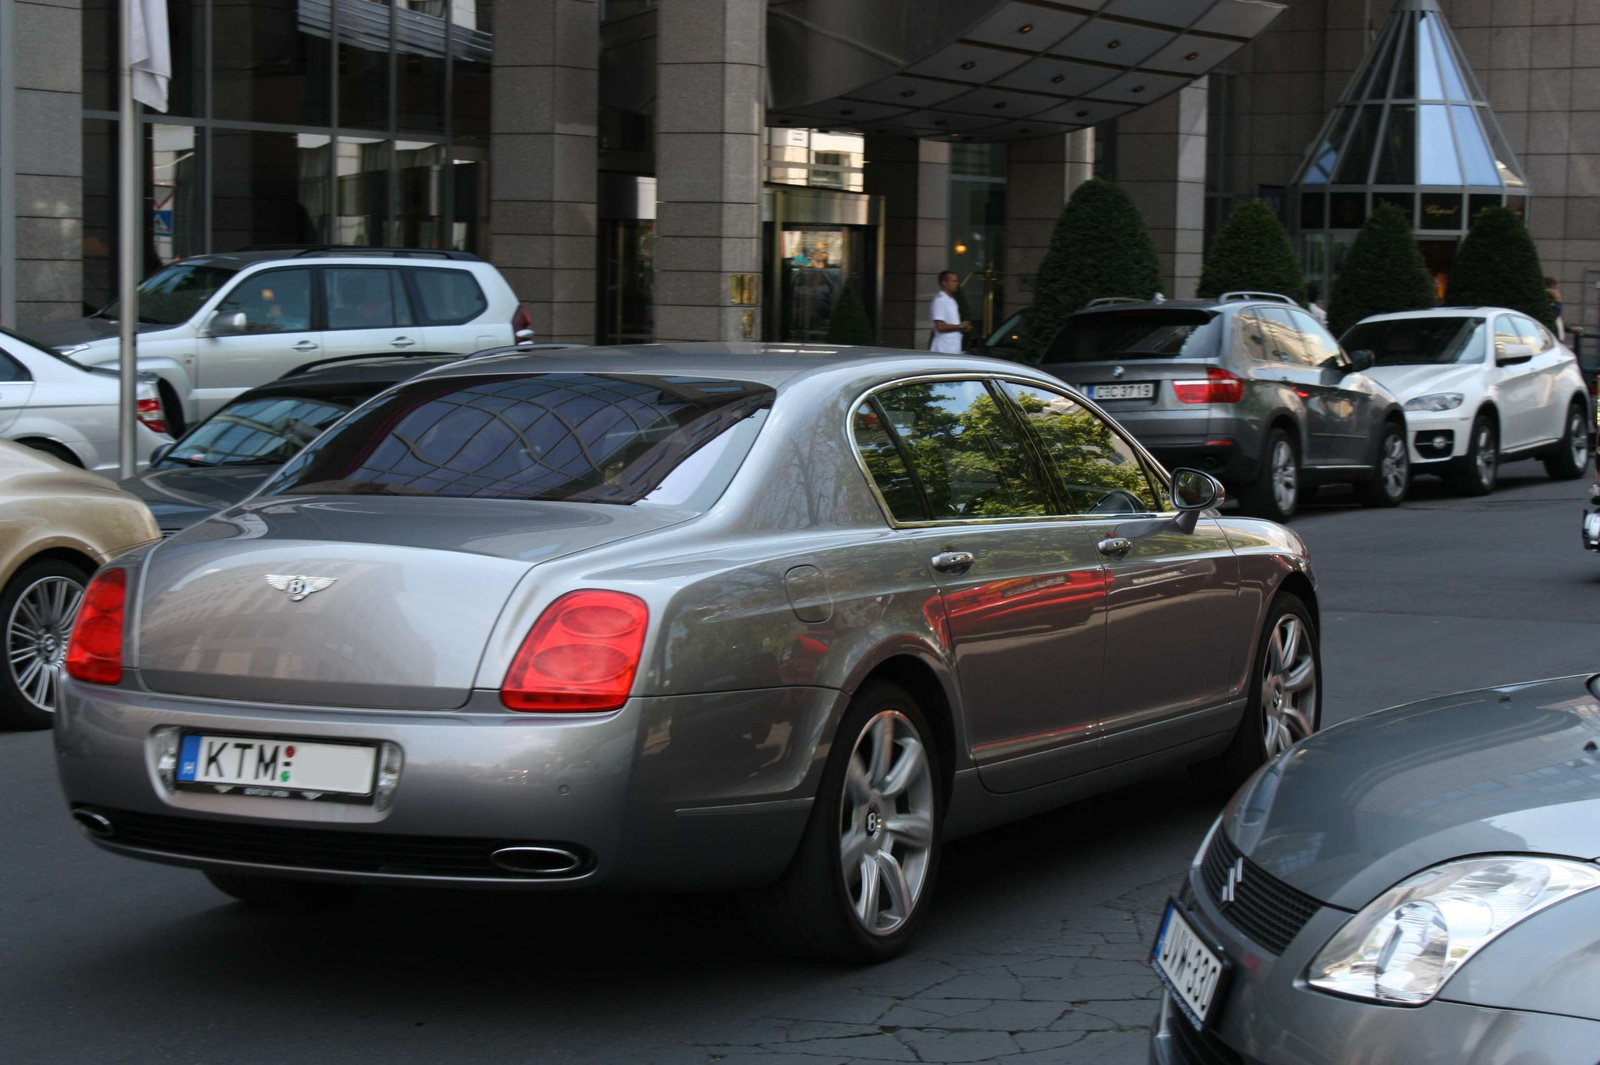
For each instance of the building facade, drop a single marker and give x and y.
(720, 169)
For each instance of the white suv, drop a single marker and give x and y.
(214, 325)
(1480, 386)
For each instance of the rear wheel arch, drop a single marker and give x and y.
(925, 686)
(51, 447)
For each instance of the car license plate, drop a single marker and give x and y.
(1141, 390)
(275, 767)
(1192, 970)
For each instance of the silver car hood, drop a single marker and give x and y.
(1357, 808)
(234, 607)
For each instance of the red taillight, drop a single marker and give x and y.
(1220, 386)
(521, 323)
(152, 415)
(95, 654)
(580, 656)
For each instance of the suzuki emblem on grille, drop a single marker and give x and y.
(298, 587)
(1118, 372)
(1230, 887)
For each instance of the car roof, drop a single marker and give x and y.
(238, 260)
(1217, 305)
(772, 364)
(1444, 312)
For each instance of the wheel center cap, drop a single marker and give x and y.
(874, 822)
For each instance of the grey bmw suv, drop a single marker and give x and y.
(1249, 388)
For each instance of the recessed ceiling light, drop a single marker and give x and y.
(848, 111)
(1114, 44)
(1138, 88)
(1192, 56)
(1058, 79)
(940, 122)
(1001, 106)
(909, 93)
(1083, 114)
(1025, 129)
(1026, 27)
(969, 64)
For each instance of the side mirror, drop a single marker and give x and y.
(1361, 360)
(1512, 354)
(1194, 491)
(162, 452)
(227, 324)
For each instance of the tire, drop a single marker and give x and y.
(1285, 704)
(1391, 478)
(1275, 493)
(1570, 458)
(1477, 471)
(813, 911)
(284, 896)
(37, 608)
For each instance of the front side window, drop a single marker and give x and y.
(965, 451)
(567, 437)
(1505, 333)
(1142, 334)
(364, 297)
(1281, 335)
(1533, 334)
(1099, 471)
(449, 297)
(275, 301)
(174, 295)
(1320, 346)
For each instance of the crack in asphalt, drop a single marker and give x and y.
(1075, 989)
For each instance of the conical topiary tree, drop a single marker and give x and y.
(1383, 273)
(1099, 247)
(850, 324)
(1498, 266)
(1252, 253)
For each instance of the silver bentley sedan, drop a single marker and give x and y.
(775, 618)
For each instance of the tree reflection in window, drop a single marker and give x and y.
(1098, 468)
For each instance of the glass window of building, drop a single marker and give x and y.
(296, 122)
(816, 157)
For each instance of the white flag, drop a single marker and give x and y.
(150, 51)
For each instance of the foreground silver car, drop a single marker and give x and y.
(1416, 886)
(772, 618)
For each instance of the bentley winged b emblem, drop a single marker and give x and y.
(298, 587)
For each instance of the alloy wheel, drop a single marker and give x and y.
(1288, 686)
(1396, 465)
(37, 634)
(1578, 435)
(1488, 456)
(886, 822)
(1285, 478)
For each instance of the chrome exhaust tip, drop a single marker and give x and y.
(537, 860)
(97, 825)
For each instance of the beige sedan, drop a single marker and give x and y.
(57, 525)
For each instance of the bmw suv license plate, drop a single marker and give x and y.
(1193, 970)
(1138, 390)
(277, 768)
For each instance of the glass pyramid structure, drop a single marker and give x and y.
(1414, 128)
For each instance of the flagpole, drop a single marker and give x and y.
(128, 256)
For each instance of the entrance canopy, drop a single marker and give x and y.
(1414, 128)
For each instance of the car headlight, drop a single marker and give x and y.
(1437, 401)
(1408, 941)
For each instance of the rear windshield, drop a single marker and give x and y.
(1143, 334)
(260, 430)
(1418, 341)
(567, 437)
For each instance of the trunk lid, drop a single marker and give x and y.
(1133, 350)
(236, 607)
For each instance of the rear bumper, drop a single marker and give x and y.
(1197, 436)
(667, 792)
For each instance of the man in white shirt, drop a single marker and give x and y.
(947, 324)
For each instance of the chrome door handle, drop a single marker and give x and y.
(305, 345)
(401, 342)
(1115, 546)
(952, 561)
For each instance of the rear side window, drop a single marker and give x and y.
(1142, 334)
(966, 454)
(12, 370)
(571, 437)
(448, 297)
(364, 297)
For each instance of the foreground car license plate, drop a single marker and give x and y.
(275, 767)
(1192, 970)
(1142, 390)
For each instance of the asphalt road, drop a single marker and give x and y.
(1034, 953)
